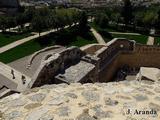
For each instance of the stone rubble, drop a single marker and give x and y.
(99, 101)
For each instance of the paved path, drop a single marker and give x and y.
(15, 84)
(15, 29)
(19, 42)
(123, 33)
(150, 40)
(98, 37)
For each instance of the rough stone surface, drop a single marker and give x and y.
(37, 97)
(140, 97)
(110, 102)
(90, 96)
(99, 101)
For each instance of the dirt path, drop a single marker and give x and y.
(98, 37)
(150, 40)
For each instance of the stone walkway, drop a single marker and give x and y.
(98, 37)
(99, 101)
(21, 64)
(5, 71)
(15, 29)
(150, 40)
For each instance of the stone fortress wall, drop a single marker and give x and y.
(89, 64)
(103, 62)
(55, 63)
(133, 55)
(93, 63)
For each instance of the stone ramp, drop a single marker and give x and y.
(6, 78)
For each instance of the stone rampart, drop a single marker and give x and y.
(124, 52)
(54, 64)
(107, 59)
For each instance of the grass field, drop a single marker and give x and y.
(108, 36)
(138, 38)
(6, 38)
(65, 38)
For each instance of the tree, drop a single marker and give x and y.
(149, 19)
(116, 17)
(20, 21)
(83, 22)
(29, 13)
(158, 19)
(38, 23)
(138, 20)
(3, 23)
(127, 12)
(102, 20)
(11, 22)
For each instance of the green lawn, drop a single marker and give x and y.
(138, 38)
(102, 29)
(80, 41)
(60, 38)
(9, 38)
(157, 40)
(107, 36)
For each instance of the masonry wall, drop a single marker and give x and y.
(55, 64)
(135, 56)
(107, 59)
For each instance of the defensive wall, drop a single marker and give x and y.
(52, 64)
(103, 62)
(89, 64)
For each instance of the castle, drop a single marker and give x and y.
(89, 64)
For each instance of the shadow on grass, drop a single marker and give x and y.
(67, 37)
(64, 37)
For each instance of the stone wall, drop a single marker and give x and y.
(91, 48)
(134, 55)
(55, 64)
(107, 59)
